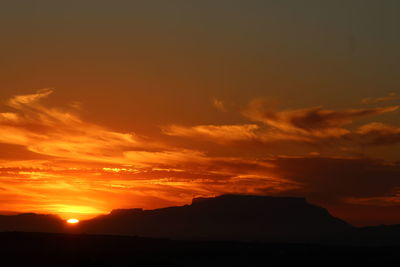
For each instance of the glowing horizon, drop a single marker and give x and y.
(86, 169)
(149, 104)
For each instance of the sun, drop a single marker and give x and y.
(72, 221)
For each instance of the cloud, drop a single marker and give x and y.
(363, 191)
(87, 168)
(376, 134)
(239, 133)
(338, 178)
(322, 126)
(313, 126)
(322, 180)
(75, 166)
(98, 190)
(314, 120)
(30, 100)
(61, 133)
(374, 100)
(221, 133)
(219, 105)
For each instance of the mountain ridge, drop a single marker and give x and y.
(226, 217)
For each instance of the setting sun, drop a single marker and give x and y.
(72, 221)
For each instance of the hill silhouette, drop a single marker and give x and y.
(226, 217)
(31, 222)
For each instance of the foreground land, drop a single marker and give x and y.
(43, 249)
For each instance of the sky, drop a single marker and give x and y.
(127, 104)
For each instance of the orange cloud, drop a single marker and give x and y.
(223, 133)
(308, 126)
(313, 120)
(88, 191)
(374, 100)
(218, 104)
(59, 133)
(377, 134)
(74, 167)
(88, 169)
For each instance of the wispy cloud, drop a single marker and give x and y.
(220, 133)
(78, 167)
(308, 126)
(312, 121)
(374, 100)
(376, 134)
(88, 168)
(219, 105)
(61, 133)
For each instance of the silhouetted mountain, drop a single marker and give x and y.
(227, 217)
(31, 222)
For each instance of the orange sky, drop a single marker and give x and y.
(151, 103)
(54, 161)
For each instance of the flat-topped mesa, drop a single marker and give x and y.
(226, 217)
(125, 211)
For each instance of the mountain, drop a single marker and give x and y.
(31, 222)
(226, 217)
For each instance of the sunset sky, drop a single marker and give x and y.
(127, 104)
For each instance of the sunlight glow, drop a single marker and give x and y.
(72, 221)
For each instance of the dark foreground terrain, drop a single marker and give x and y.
(42, 249)
(227, 217)
(258, 231)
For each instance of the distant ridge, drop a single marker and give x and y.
(31, 222)
(226, 217)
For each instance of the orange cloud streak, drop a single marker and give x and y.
(79, 169)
